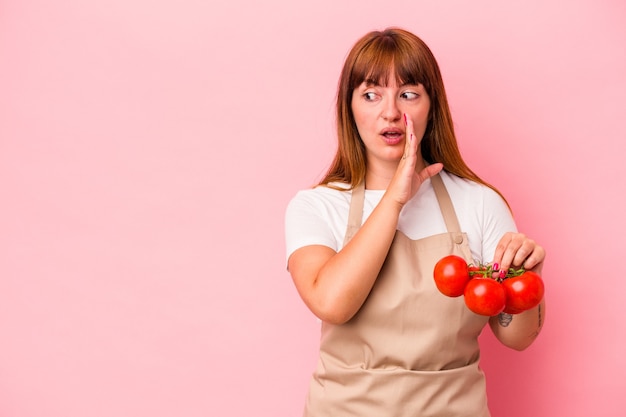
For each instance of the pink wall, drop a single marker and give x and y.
(148, 149)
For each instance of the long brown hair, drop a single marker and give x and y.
(373, 57)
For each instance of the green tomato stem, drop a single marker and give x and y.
(487, 271)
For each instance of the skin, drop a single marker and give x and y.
(517, 250)
(334, 285)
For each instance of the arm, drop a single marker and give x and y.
(520, 330)
(334, 285)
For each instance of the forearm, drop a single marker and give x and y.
(345, 281)
(518, 331)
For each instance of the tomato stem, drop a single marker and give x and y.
(493, 272)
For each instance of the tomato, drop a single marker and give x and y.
(485, 296)
(511, 310)
(523, 292)
(451, 275)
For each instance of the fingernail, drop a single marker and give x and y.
(502, 273)
(405, 121)
(496, 266)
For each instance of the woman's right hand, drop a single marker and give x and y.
(411, 172)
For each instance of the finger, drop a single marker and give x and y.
(501, 247)
(523, 252)
(517, 250)
(504, 251)
(410, 146)
(535, 259)
(429, 171)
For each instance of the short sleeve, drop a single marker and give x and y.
(497, 220)
(305, 224)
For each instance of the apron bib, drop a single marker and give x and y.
(409, 350)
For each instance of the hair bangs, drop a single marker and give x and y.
(386, 56)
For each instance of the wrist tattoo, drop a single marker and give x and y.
(505, 319)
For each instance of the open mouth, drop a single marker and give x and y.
(393, 135)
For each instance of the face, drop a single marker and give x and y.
(378, 113)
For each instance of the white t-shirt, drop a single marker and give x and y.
(319, 216)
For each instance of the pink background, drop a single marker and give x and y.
(148, 150)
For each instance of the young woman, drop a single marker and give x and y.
(362, 245)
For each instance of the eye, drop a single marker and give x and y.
(369, 96)
(409, 95)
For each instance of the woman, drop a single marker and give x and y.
(362, 245)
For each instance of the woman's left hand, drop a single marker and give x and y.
(517, 250)
(520, 330)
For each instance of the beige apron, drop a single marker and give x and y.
(409, 351)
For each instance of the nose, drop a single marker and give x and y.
(390, 110)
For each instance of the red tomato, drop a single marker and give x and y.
(510, 310)
(523, 292)
(451, 275)
(485, 296)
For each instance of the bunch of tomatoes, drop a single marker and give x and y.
(487, 289)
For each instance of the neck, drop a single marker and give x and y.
(379, 177)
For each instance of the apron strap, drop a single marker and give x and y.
(445, 204)
(355, 217)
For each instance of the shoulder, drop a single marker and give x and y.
(318, 208)
(464, 192)
(320, 197)
(461, 185)
(482, 212)
(317, 216)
